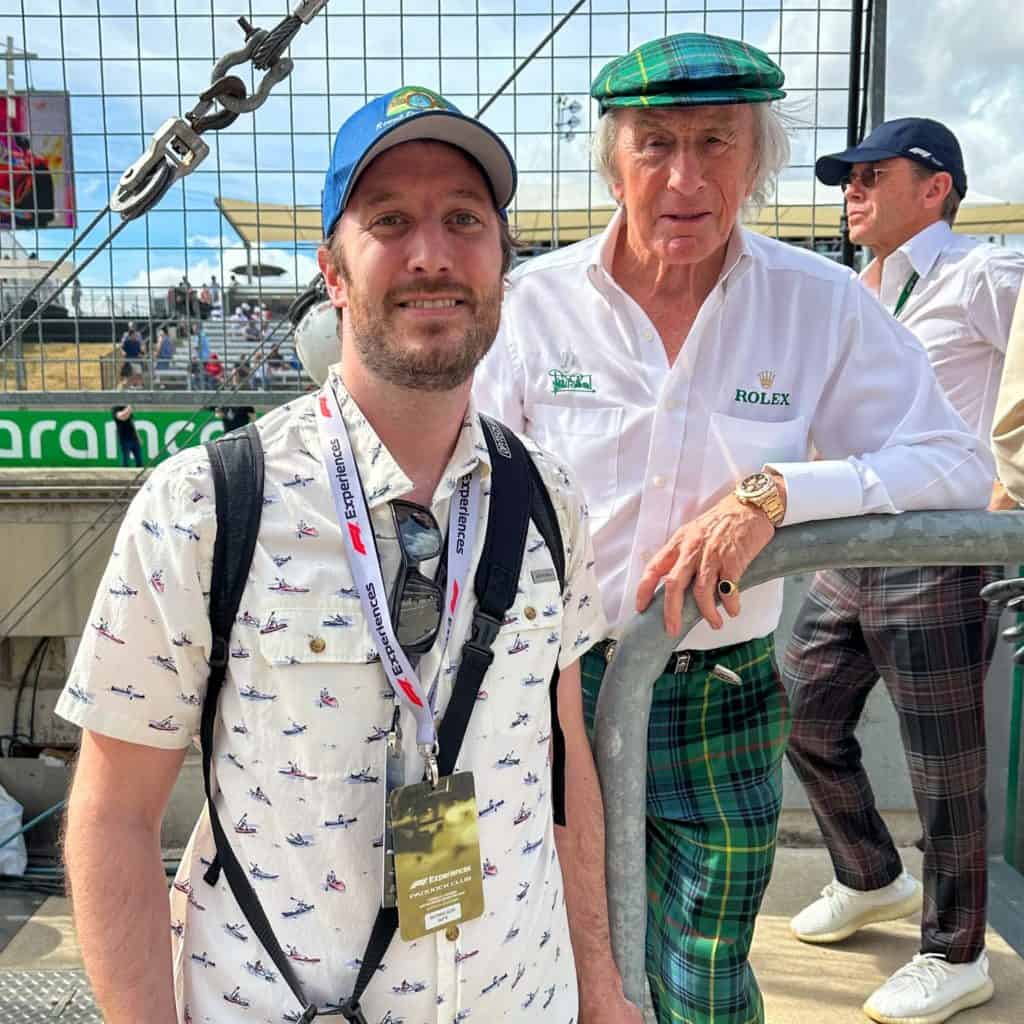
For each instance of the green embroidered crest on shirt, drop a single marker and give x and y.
(570, 381)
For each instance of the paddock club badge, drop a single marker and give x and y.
(766, 378)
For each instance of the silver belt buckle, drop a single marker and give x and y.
(609, 651)
(682, 662)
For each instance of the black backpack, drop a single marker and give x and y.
(236, 463)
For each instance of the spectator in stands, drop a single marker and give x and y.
(275, 361)
(200, 343)
(214, 370)
(127, 435)
(253, 333)
(164, 349)
(215, 295)
(241, 373)
(133, 347)
(232, 292)
(132, 344)
(195, 374)
(76, 297)
(258, 377)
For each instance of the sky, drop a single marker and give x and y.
(959, 63)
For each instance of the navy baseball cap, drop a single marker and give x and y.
(406, 115)
(926, 142)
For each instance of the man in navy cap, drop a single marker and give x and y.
(686, 367)
(926, 631)
(308, 743)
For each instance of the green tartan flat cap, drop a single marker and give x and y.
(689, 69)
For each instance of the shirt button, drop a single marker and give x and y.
(530, 612)
(451, 933)
(317, 645)
(658, 481)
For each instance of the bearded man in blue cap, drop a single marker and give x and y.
(690, 370)
(280, 917)
(925, 631)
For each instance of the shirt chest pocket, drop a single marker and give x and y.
(588, 439)
(738, 447)
(526, 648)
(314, 661)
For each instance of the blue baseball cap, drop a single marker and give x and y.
(924, 141)
(406, 115)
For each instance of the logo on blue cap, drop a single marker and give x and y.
(386, 121)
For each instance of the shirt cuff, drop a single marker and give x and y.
(828, 489)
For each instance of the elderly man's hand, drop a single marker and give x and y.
(717, 545)
(1009, 594)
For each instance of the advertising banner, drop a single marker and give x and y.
(46, 438)
(36, 188)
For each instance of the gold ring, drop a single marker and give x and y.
(727, 587)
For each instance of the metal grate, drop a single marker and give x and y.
(36, 997)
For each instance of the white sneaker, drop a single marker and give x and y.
(930, 990)
(841, 911)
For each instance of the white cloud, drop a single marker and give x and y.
(299, 269)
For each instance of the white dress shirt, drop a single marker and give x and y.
(300, 749)
(789, 357)
(960, 310)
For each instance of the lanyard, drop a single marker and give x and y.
(356, 528)
(905, 294)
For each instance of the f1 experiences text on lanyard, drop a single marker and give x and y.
(435, 877)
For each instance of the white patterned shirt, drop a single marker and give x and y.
(299, 740)
(788, 357)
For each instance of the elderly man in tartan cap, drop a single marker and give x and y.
(691, 371)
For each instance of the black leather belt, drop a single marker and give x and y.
(679, 662)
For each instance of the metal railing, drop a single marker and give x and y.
(624, 704)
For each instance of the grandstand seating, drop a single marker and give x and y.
(227, 339)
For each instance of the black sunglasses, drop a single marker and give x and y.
(416, 602)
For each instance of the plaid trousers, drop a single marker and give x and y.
(714, 793)
(929, 635)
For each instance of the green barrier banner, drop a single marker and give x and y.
(83, 439)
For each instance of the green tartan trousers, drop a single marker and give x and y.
(714, 793)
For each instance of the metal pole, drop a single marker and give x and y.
(876, 82)
(558, 174)
(624, 704)
(853, 105)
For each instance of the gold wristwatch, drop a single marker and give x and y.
(761, 490)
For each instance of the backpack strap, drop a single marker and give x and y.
(236, 464)
(542, 511)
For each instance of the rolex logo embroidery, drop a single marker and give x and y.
(766, 378)
(570, 381)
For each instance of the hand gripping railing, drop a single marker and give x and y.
(624, 706)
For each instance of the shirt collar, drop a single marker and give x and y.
(927, 246)
(922, 250)
(737, 253)
(382, 478)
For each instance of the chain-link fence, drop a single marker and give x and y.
(229, 246)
